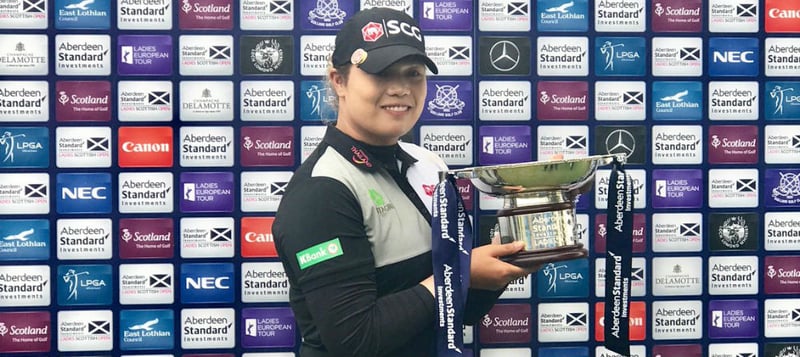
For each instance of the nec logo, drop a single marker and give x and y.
(733, 57)
(207, 283)
(145, 147)
(83, 193)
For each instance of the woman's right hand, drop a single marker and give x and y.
(488, 272)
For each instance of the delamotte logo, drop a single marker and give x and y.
(257, 240)
(677, 276)
(782, 274)
(562, 100)
(25, 332)
(205, 15)
(145, 147)
(146, 238)
(506, 323)
(782, 16)
(83, 101)
(637, 318)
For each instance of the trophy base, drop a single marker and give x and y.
(535, 259)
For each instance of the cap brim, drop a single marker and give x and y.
(381, 58)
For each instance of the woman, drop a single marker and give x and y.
(353, 228)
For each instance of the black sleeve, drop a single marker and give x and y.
(340, 292)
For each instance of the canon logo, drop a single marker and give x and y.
(784, 14)
(254, 237)
(130, 146)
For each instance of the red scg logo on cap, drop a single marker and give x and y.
(372, 31)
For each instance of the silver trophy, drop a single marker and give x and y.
(538, 204)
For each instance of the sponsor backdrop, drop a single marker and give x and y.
(145, 146)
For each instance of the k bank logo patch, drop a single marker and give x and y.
(207, 237)
(504, 55)
(677, 232)
(83, 147)
(84, 239)
(83, 55)
(84, 285)
(733, 231)
(781, 58)
(506, 323)
(145, 101)
(677, 16)
(23, 55)
(677, 320)
(563, 322)
(452, 143)
(24, 101)
(88, 330)
(782, 16)
(781, 230)
(619, 56)
(206, 146)
(264, 282)
(207, 192)
(781, 317)
(24, 14)
(504, 15)
(24, 239)
(733, 319)
(448, 100)
(27, 285)
(207, 328)
(562, 56)
(733, 275)
(782, 100)
(636, 321)
(267, 100)
(24, 147)
(83, 101)
(726, 16)
(501, 100)
(207, 283)
(25, 331)
(733, 188)
(564, 279)
(145, 238)
(677, 56)
(268, 327)
(270, 15)
(265, 55)
(782, 275)
(149, 192)
(146, 329)
(619, 16)
(83, 193)
(620, 100)
(267, 146)
(143, 284)
(205, 15)
(677, 276)
(558, 15)
(79, 15)
(733, 101)
(206, 55)
(262, 191)
(206, 100)
(679, 144)
(144, 55)
(562, 100)
(148, 15)
(24, 194)
(452, 54)
(145, 147)
(257, 239)
(677, 100)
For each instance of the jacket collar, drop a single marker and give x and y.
(359, 154)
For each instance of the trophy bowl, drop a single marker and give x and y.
(538, 204)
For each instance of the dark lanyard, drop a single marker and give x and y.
(619, 247)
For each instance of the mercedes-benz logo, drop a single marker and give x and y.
(504, 55)
(620, 141)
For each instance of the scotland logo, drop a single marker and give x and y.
(783, 100)
(267, 56)
(677, 100)
(620, 56)
(447, 101)
(562, 15)
(325, 13)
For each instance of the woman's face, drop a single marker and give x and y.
(379, 108)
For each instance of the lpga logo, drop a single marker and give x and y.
(551, 272)
(608, 50)
(781, 95)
